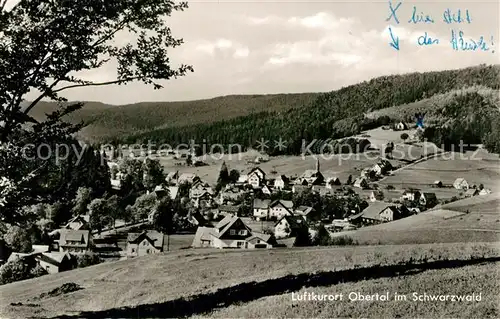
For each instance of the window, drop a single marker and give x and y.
(239, 243)
(232, 232)
(242, 232)
(147, 251)
(133, 250)
(144, 243)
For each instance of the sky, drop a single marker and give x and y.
(263, 47)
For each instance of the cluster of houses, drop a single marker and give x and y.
(72, 239)
(227, 229)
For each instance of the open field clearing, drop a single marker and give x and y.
(331, 165)
(156, 280)
(481, 204)
(446, 168)
(482, 279)
(448, 223)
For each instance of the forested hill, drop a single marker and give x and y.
(331, 115)
(106, 122)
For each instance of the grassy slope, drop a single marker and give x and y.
(482, 279)
(447, 223)
(108, 120)
(154, 279)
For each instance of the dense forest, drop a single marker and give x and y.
(341, 113)
(107, 121)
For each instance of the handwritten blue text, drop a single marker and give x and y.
(393, 12)
(426, 40)
(449, 17)
(459, 43)
(417, 18)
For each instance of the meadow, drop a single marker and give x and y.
(446, 223)
(478, 279)
(146, 284)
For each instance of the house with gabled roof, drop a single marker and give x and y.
(361, 182)
(290, 226)
(281, 182)
(376, 213)
(148, 242)
(74, 241)
(461, 184)
(485, 191)
(331, 182)
(261, 208)
(229, 209)
(172, 177)
(411, 195)
(54, 262)
(256, 177)
(280, 208)
(231, 232)
(308, 213)
(266, 190)
(376, 195)
(471, 192)
(428, 200)
(80, 222)
(312, 176)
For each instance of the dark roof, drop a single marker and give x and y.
(153, 236)
(429, 195)
(256, 169)
(286, 203)
(74, 235)
(374, 209)
(295, 222)
(226, 223)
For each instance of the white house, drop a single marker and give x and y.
(261, 208)
(256, 177)
(484, 191)
(410, 195)
(461, 183)
(280, 208)
(145, 243)
(376, 195)
(361, 182)
(281, 182)
(289, 226)
(266, 190)
(231, 232)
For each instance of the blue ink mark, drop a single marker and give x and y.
(426, 40)
(395, 40)
(449, 17)
(393, 12)
(420, 120)
(417, 18)
(458, 43)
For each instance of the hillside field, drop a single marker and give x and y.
(147, 284)
(446, 223)
(482, 279)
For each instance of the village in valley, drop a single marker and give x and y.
(258, 209)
